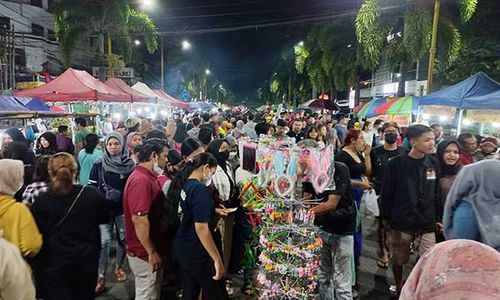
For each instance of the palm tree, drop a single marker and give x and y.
(77, 21)
(401, 31)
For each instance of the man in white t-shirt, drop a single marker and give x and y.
(108, 126)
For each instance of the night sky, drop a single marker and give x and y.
(242, 59)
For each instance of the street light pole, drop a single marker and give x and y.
(432, 50)
(110, 60)
(162, 68)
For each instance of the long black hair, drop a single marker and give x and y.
(441, 148)
(91, 141)
(172, 201)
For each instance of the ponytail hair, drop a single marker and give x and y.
(174, 191)
(62, 172)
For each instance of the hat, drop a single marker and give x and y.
(131, 122)
(490, 140)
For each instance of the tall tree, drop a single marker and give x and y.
(400, 31)
(77, 21)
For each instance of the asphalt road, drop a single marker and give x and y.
(373, 281)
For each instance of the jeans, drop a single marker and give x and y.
(147, 283)
(465, 223)
(118, 223)
(335, 273)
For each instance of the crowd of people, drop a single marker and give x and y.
(168, 193)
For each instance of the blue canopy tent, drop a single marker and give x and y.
(477, 85)
(9, 106)
(459, 95)
(33, 104)
(488, 101)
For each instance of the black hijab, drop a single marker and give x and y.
(16, 135)
(52, 139)
(213, 148)
(448, 170)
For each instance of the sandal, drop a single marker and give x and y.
(382, 264)
(120, 275)
(101, 285)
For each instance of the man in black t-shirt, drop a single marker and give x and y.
(380, 156)
(296, 131)
(336, 216)
(410, 199)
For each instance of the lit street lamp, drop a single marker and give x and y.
(301, 44)
(147, 4)
(207, 71)
(186, 45)
(137, 42)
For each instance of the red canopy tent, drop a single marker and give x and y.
(75, 85)
(359, 106)
(120, 85)
(171, 100)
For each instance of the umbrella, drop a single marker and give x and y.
(404, 106)
(368, 111)
(382, 109)
(320, 104)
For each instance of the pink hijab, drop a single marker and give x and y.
(455, 269)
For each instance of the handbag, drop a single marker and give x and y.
(111, 194)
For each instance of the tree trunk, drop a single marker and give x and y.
(401, 81)
(357, 92)
(102, 64)
(289, 100)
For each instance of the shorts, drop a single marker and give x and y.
(401, 242)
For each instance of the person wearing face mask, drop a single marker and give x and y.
(380, 156)
(202, 268)
(356, 156)
(142, 194)
(109, 174)
(223, 181)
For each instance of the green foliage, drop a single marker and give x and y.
(301, 55)
(141, 23)
(449, 45)
(78, 20)
(466, 9)
(417, 33)
(369, 34)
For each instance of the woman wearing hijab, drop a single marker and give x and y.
(472, 208)
(16, 221)
(13, 134)
(457, 269)
(238, 130)
(20, 151)
(134, 139)
(223, 181)
(68, 216)
(47, 144)
(448, 154)
(110, 174)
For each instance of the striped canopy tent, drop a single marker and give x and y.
(404, 106)
(382, 109)
(368, 111)
(359, 106)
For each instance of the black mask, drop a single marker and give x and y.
(391, 138)
(223, 156)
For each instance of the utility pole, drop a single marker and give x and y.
(162, 67)
(110, 60)
(432, 50)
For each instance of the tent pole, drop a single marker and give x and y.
(418, 114)
(460, 121)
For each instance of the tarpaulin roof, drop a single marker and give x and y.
(121, 86)
(368, 111)
(488, 101)
(9, 104)
(144, 89)
(73, 86)
(201, 105)
(477, 85)
(34, 104)
(171, 100)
